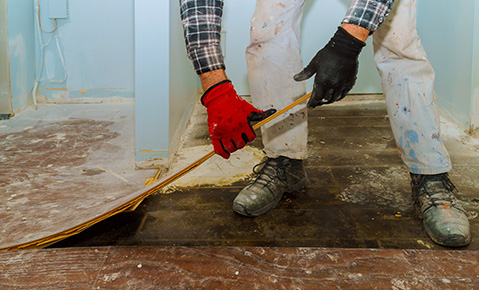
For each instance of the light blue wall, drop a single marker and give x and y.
(152, 80)
(475, 71)
(5, 103)
(22, 52)
(320, 21)
(447, 30)
(166, 85)
(98, 45)
(236, 23)
(183, 81)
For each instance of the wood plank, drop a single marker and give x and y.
(46, 269)
(238, 268)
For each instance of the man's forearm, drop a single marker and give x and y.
(201, 21)
(211, 78)
(359, 32)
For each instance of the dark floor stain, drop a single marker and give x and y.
(92, 171)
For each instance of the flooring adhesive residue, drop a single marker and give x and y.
(369, 186)
(451, 130)
(390, 187)
(215, 171)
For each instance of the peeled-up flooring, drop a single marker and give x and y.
(62, 163)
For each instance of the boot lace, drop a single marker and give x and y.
(438, 196)
(269, 170)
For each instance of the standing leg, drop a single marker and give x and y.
(408, 84)
(273, 58)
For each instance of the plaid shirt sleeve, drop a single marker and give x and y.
(202, 26)
(369, 14)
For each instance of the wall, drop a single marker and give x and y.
(183, 82)
(97, 40)
(22, 52)
(166, 85)
(320, 21)
(5, 103)
(151, 81)
(235, 38)
(475, 71)
(448, 31)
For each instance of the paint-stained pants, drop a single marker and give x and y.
(273, 57)
(407, 79)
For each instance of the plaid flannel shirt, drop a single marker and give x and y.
(369, 14)
(202, 26)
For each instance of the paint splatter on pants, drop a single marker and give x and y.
(407, 80)
(273, 57)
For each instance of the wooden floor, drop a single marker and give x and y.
(358, 195)
(354, 227)
(237, 268)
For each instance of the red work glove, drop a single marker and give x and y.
(229, 118)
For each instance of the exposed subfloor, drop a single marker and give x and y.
(358, 194)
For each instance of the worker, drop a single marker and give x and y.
(276, 78)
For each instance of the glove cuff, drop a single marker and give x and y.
(346, 44)
(210, 92)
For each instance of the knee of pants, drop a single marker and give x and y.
(263, 31)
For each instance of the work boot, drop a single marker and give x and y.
(275, 176)
(444, 219)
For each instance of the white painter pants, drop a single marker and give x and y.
(273, 58)
(407, 79)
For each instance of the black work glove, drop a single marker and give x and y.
(336, 68)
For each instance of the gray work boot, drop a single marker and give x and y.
(444, 219)
(275, 177)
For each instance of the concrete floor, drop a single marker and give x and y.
(358, 193)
